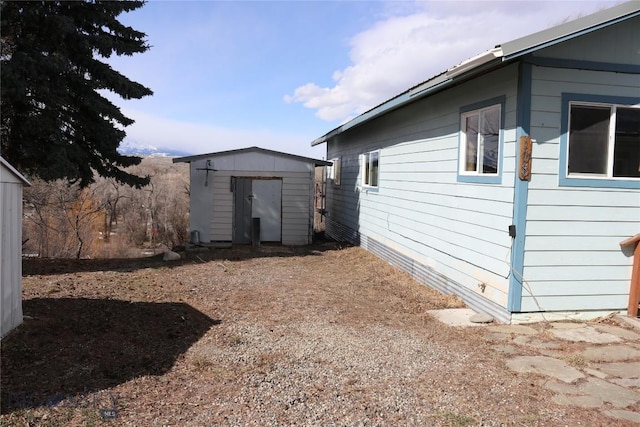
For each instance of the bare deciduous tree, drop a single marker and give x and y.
(108, 218)
(61, 220)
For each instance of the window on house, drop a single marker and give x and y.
(333, 171)
(604, 141)
(480, 141)
(371, 168)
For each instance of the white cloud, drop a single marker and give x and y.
(196, 138)
(402, 51)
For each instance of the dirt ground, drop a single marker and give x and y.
(320, 335)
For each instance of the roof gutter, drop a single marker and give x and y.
(474, 62)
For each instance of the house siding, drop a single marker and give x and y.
(426, 218)
(10, 250)
(572, 258)
(449, 230)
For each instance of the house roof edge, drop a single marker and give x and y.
(500, 54)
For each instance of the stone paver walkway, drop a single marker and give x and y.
(591, 365)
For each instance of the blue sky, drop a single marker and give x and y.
(278, 74)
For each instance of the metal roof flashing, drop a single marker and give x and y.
(558, 34)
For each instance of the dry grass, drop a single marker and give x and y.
(320, 335)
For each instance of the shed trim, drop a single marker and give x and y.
(15, 171)
(189, 159)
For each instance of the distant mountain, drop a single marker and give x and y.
(133, 149)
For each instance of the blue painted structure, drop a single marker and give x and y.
(449, 229)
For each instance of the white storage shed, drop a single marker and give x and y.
(231, 191)
(11, 182)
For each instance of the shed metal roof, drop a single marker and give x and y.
(189, 159)
(497, 56)
(14, 171)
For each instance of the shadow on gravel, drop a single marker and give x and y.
(45, 266)
(68, 347)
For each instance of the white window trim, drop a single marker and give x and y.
(610, 147)
(335, 170)
(364, 169)
(463, 143)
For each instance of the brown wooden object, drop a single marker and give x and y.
(634, 292)
(524, 165)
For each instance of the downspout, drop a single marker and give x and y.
(521, 191)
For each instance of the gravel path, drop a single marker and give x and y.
(319, 336)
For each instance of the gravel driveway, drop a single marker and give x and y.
(317, 336)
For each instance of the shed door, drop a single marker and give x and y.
(257, 198)
(267, 205)
(242, 211)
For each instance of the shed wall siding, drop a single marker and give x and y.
(211, 206)
(573, 260)
(420, 210)
(256, 161)
(200, 200)
(10, 250)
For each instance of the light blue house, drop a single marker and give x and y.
(510, 179)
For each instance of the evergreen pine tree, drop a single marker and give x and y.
(54, 122)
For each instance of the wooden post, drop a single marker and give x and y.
(634, 291)
(524, 166)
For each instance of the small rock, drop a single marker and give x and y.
(171, 256)
(481, 318)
